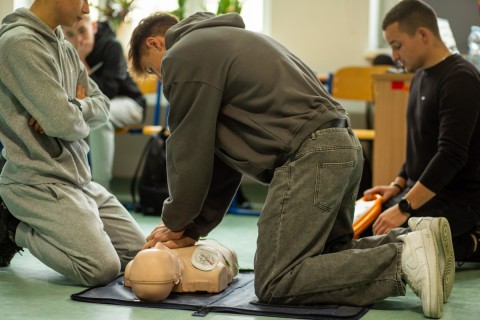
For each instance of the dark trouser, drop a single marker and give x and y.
(463, 221)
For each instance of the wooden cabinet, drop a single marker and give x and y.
(391, 96)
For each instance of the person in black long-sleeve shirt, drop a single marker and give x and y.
(441, 173)
(104, 59)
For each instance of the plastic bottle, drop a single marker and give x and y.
(474, 46)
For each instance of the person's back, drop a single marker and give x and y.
(268, 90)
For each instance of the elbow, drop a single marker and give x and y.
(456, 156)
(457, 160)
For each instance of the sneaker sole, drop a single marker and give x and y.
(443, 237)
(442, 233)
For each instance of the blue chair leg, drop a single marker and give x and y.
(234, 209)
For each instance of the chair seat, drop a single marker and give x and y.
(365, 134)
(142, 129)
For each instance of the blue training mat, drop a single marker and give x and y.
(238, 297)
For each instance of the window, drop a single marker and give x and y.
(252, 11)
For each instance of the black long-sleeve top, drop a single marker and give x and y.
(443, 131)
(112, 76)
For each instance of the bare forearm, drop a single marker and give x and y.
(418, 195)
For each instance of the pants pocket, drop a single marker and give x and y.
(331, 182)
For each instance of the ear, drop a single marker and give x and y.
(156, 42)
(95, 27)
(424, 34)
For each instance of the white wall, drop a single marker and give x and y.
(7, 6)
(325, 34)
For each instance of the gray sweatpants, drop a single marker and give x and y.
(85, 234)
(305, 252)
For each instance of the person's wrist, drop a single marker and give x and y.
(398, 186)
(406, 214)
(405, 207)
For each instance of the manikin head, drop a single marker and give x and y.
(153, 273)
(207, 266)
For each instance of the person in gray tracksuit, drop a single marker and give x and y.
(49, 105)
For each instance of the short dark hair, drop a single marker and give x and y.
(411, 15)
(156, 24)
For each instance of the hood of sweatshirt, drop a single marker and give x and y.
(201, 20)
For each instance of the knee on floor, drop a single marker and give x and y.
(263, 291)
(101, 272)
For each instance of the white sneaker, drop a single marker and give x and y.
(421, 270)
(441, 231)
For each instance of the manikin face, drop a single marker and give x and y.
(409, 50)
(152, 55)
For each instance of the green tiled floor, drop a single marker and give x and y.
(30, 290)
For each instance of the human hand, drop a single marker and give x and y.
(33, 123)
(388, 220)
(171, 239)
(387, 192)
(81, 92)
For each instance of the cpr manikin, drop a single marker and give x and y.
(156, 272)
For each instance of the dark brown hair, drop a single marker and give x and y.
(156, 24)
(411, 15)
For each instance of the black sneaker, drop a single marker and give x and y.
(8, 225)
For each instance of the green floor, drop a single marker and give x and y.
(30, 290)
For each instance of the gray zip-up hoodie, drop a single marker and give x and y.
(241, 103)
(39, 73)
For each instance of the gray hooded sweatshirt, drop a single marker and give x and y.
(241, 103)
(39, 73)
